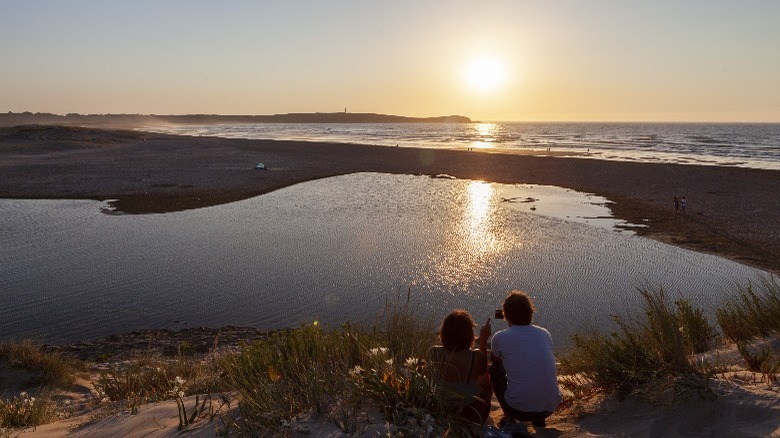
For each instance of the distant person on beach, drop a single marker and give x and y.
(676, 204)
(523, 372)
(463, 370)
(683, 203)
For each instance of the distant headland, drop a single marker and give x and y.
(26, 118)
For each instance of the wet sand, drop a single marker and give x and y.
(732, 212)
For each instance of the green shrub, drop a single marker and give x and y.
(134, 385)
(27, 411)
(754, 361)
(292, 372)
(127, 386)
(403, 331)
(38, 372)
(650, 354)
(42, 368)
(755, 312)
(333, 373)
(697, 332)
(395, 385)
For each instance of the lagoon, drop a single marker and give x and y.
(336, 250)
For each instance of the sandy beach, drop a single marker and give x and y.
(732, 212)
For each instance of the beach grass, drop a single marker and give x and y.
(342, 374)
(36, 376)
(25, 410)
(352, 375)
(306, 362)
(135, 385)
(128, 385)
(754, 312)
(36, 367)
(652, 354)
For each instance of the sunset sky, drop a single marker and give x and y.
(489, 60)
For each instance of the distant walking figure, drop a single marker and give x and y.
(676, 204)
(683, 204)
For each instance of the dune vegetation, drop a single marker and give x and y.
(353, 375)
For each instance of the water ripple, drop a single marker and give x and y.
(333, 250)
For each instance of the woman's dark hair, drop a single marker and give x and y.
(457, 331)
(518, 308)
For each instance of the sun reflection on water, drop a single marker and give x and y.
(477, 214)
(473, 248)
(485, 134)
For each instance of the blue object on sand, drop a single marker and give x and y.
(260, 166)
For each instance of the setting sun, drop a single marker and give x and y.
(485, 73)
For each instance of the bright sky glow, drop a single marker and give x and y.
(486, 74)
(505, 60)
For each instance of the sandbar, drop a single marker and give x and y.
(731, 212)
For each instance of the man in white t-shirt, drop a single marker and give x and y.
(523, 371)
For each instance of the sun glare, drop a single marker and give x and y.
(485, 73)
(479, 217)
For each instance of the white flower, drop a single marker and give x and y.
(378, 350)
(356, 371)
(412, 362)
(389, 362)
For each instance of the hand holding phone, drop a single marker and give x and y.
(484, 334)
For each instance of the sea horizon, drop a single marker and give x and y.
(6, 112)
(751, 145)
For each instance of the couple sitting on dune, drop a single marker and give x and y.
(522, 371)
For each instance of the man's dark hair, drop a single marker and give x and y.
(518, 308)
(457, 331)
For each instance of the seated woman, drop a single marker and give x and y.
(464, 371)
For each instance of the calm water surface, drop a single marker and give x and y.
(334, 250)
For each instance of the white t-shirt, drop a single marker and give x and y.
(527, 354)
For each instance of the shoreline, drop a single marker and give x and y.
(732, 212)
(190, 342)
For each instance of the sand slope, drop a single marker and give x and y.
(745, 407)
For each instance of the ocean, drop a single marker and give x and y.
(752, 145)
